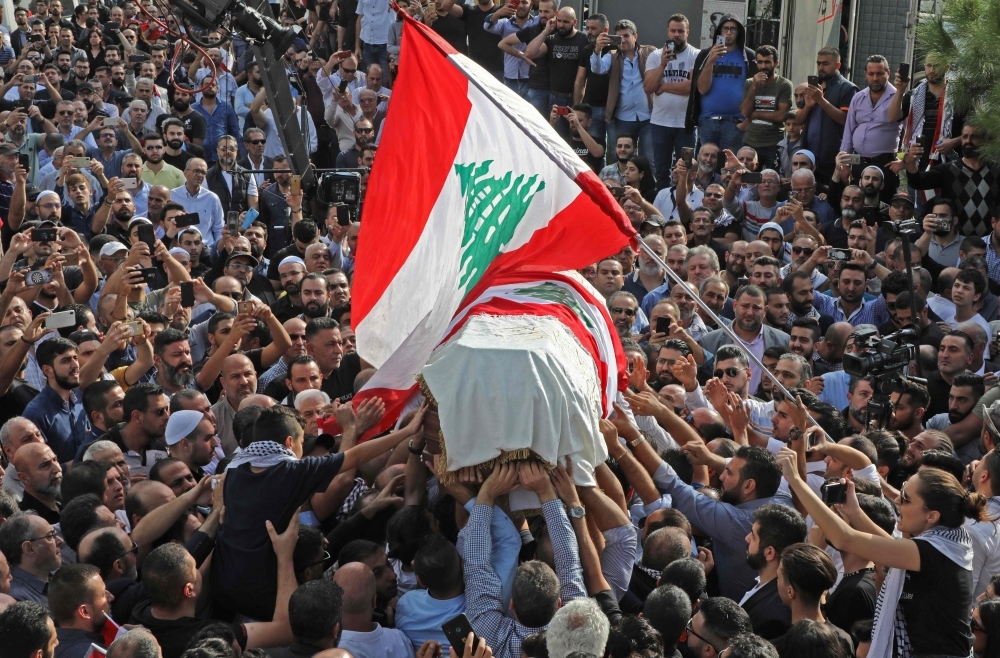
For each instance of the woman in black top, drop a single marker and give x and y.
(95, 49)
(930, 580)
(639, 174)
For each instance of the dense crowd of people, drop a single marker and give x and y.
(157, 245)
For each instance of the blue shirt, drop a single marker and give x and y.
(633, 103)
(221, 121)
(112, 165)
(514, 68)
(78, 220)
(140, 197)
(835, 388)
(728, 75)
(420, 616)
(209, 209)
(64, 424)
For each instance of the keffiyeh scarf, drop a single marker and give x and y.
(262, 454)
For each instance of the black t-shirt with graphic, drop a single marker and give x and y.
(564, 60)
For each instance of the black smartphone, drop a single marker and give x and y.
(616, 40)
(25, 103)
(36, 38)
(342, 87)
(751, 177)
(812, 80)
(871, 215)
(457, 630)
(47, 234)
(149, 275)
(833, 492)
(663, 324)
(919, 140)
(742, 281)
(187, 294)
(343, 215)
(24, 160)
(136, 59)
(687, 155)
(147, 234)
(904, 71)
(233, 223)
(190, 219)
(839, 255)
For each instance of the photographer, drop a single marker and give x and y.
(940, 240)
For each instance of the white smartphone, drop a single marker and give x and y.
(61, 320)
(130, 183)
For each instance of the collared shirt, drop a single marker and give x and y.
(224, 415)
(63, 423)
(633, 102)
(376, 17)
(219, 122)
(514, 68)
(613, 172)
(483, 587)
(244, 99)
(867, 313)
(756, 347)
(868, 130)
(112, 165)
(822, 304)
(279, 369)
(618, 556)
(168, 175)
(75, 643)
(28, 587)
(697, 328)
(209, 208)
(945, 254)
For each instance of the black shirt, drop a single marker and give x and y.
(30, 503)
(180, 160)
(853, 600)
(935, 603)
(280, 255)
(175, 634)
(452, 29)
(564, 60)
(483, 45)
(538, 75)
(596, 94)
(341, 381)
(215, 390)
(194, 124)
(939, 390)
(347, 18)
(581, 150)
(14, 401)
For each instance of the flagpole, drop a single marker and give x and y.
(722, 325)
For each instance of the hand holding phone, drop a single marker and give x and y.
(249, 218)
(295, 185)
(147, 234)
(187, 294)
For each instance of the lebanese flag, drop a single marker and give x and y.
(471, 184)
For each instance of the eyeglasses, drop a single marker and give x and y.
(134, 549)
(236, 296)
(326, 556)
(713, 195)
(159, 412)
(364, 131)
(617, 310)
(731, 371)
(803, 250)
(689, 629)
(351, 71)
(240, 267)
(51, 535)
(256, 142)
(66, 113)
(297, 336)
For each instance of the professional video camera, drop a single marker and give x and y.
(340, 188)
(908, 228)
(210, 14)
(885, 361)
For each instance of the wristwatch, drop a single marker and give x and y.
(413, 450)
(577, 512)
(795, 434)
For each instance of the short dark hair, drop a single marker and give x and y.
(305, 230)
(317, 325)
(895, 283)
(105, 549)
(78, 517)
(677, 344)
(668, 609)
(243, 423)
(583, 107)
(903, 301)
(767, 50)
(760, 467)
(338, 311)
(879, 510)
(68, 590)
(808, 323)
(166, 337)
(945, 461)
(664, 546)
(975, 277)
(917, 393)
(217, 319)
(155, 469)
(277, 423)
(314, 609)
(164, 573)
(535, 594)
(972, 242)
(47, 352)
(780, 526)
(137, 398)
(84, 478)
(724, 618)
(969, 346)
(24, 628)
(689, 575)
(972, 380)
(438, 564)
(943, 201)
(357, 550)
(811, 639)
(93, 396)
(809, 570)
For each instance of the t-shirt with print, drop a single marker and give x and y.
(564, 60)
(581, 150)
(669, 109)
(767, 98)
(538, 75)
(728, 74)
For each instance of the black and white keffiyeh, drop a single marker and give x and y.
(890, 637)
(262, 454)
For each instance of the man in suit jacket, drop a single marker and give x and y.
(775, 527)
(254, 141)
(236, 189)
(748, 306)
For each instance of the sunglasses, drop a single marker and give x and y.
(617, 310)
(134, 549)
(257, 142)
(236, 296)
(713, 195)
(803, 250)
(731, 371)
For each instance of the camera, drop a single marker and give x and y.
(839, 255)
(884, 360)
(833, 492)
(340, 187)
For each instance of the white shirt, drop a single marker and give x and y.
(669, 109)
(379, 643)
(666, 202)
(978, 319)
(376, 17)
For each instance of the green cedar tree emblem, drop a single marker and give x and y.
(558, 295)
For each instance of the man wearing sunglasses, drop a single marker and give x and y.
(114, 553)
(146, 411)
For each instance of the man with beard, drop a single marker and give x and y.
(157, 171)
(140, 434)
(239, 380)
(579, 139)
(219, 119)
(683, 294)
(966, 390)
(822, 114)
(340, 290)
(80, 604)
(624, 150)
(193, 122)
(736, 265)
(516, 68)
(702, 229)
(58, 411)
(172, 358)
(767, 97)
(649, 275)
(909, 407)
(291, 271)
(851, 203)
(41, 475)
(748, 307)
(364, 134)
(775, 527)
(623, 308)
(668, 79)
(927, 116)
(804, 334)
(921, 443)
(851, 305)
(275, 201)
(79, 78)
(804, 246)
(672, 351)
(314, 292)
(963, 181)
(871, 128)
(241, 266)
(256, 235)
(107, 151)
(197, 199)
(236, 189)
(859, 392)
(930, 332)
(37, 555)
(776, 308)
(296, 330)
(190, 437)
(177, 151)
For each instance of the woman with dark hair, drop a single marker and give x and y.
(986, 628)
(639, 174)
(95, 50)
(929, 581)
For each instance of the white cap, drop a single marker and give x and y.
(177, 251)
(292, 259)
(45, 193)
(181, 424)
(139, 220)
(112, 248)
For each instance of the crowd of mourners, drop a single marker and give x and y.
(183, 475)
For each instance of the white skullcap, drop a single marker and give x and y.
(181, 424)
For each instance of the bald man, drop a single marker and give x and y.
(144, 497)
(831, 349)
(16, 432)
(257, 400)
(360, 635)
(317, 258)
(239, 380)
(197, 199)
(40, 473)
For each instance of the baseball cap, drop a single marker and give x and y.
(774, 226)
(242, 254)
(112, 248)
(31, 192)
(86, 86)
(181, 424)
(655, 220)
(7, 149)
(902, 196)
